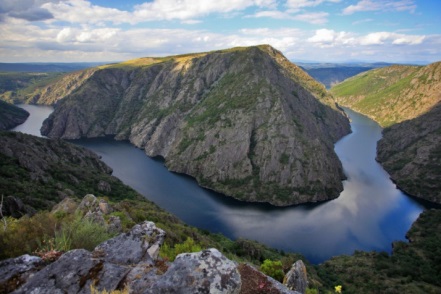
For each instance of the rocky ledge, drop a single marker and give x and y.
(130, 261)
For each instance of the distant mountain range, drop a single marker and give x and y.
(46, 67)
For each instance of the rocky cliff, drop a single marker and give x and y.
(11, 116)
(245, 122)
(392, 94)
(411, 153)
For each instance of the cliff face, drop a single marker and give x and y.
(411, 153)
(245, 122)
(392, 94)
(11, 116)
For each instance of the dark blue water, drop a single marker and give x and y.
(369, 214)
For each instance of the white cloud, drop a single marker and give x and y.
(276, 14)
(380, 38)
(296, 5)
(383, 5)
(313, 17)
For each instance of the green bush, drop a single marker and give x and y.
(273, 269)
(167, 252)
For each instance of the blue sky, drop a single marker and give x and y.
(313, 30)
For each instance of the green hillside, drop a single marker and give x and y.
(392, 94)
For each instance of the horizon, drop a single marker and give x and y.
(309, 31)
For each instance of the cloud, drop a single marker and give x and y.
(380, 38)
(383, 5)
(296, 5)
(331, 38)
(30, 10)
(314, 17)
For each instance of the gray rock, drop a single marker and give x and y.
(105, 207)
(297, 278)
(15, 271)
(132, 247)
(114, 224)
(68, 274)
(89, 202)
(207, 271)
(103, 186)
(67, 205)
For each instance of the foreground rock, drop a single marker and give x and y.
(11, 116)
(297, 279)
(130, 261)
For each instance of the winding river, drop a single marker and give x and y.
(369, 214)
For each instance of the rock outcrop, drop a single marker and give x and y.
(11, 116)
(245, 122)
(128, 261)
(297, 279)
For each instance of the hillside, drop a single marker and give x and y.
(392, 94)
(39, 177)
(11, 116)
(245, 122)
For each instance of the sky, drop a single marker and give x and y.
(400, 31)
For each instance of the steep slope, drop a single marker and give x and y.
(245, 121)
(37, 177)
(11, 116)
(411, 153)
(392, 94)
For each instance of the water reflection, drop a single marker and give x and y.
(369, 214)
(35, 120)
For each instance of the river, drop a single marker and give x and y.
(368, 215)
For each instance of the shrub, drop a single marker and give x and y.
(170, 253)
(273, 269)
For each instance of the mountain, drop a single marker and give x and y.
(392, 94)
(11, 116)
(406, 99)
(244, 121)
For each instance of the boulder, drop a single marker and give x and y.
(15, 271)
(67, 205)
(297, 279)
(207, 271)
(132, 247)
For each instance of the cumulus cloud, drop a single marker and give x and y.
(298, 4)
(383, 5)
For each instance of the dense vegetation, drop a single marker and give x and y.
(392, 94)
(413, 267)
(49, 171)
(11, 116)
